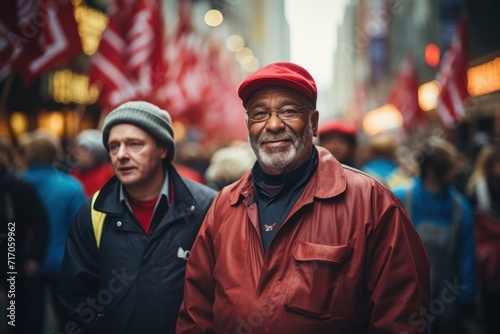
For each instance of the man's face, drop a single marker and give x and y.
(85, 158)
(137, 159)
(281, 146)
(339, 146)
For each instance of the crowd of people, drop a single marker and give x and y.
(307, 228)
(458, 222)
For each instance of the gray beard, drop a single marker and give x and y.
(299, 147)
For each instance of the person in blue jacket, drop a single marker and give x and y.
(127, 276)
(381, 160)
(62, 196)
(444, 220)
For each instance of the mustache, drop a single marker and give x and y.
(264, 138)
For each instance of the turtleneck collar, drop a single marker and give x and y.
(292, 177)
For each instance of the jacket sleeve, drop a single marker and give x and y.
(78, 280)
(196, 312)
(398, 273)
(76, 198)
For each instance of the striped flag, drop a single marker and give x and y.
(200, 87)
(128, 64)
(404, 95)
(452, 77)
(184, 89)
(36, 35)
(15, 16)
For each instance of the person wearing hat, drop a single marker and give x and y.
(339, 137)
(92, 166)
(127, 275)
(302, 244)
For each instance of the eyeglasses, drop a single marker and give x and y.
(285, 113)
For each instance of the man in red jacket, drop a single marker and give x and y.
(301, 243)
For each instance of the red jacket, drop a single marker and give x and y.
(346, 260)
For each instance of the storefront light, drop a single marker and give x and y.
(485, 78)
(384, 118)
(213, 18)
(244, 56)
(52, 121)
(18, 123)
(235, 43)
(91, 24)
(427, 95)
(67, 87)
(251, 66)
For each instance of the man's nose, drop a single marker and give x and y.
(122, 152)
(274, 123)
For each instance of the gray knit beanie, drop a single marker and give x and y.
(91, 140)
(155, 121)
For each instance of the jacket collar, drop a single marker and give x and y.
(108, 200)
(164, 192)
(329, 180)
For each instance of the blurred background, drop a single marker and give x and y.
(382, 64)
(390, 74)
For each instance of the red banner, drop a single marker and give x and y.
(200, 87)
(128, 64)
(11, 25)
(36, 36)
(404, 95)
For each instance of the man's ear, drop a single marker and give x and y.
(163, 152)
(315, 122)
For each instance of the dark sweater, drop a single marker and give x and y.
(276, 195)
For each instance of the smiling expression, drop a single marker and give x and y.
(281, 146)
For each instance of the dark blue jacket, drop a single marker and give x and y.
(134, 282)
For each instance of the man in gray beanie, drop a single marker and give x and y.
(147, 116)
(126, 253)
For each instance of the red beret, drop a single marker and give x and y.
(284, 74)
(339, 126)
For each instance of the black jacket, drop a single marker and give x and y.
(24, 219)
(134, 282)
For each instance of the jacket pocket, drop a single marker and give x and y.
(316, 279)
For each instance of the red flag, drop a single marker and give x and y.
(128, 64)
(59, 39)
(452, 77)
(10, 44)
(404, 94)
(183, 90)
(41, 34)
(200, 88)
(16, 30)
